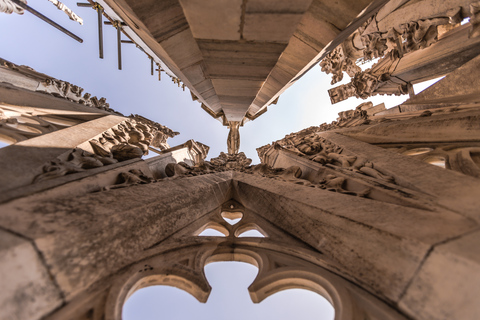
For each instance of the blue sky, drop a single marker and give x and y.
(28, 40)
(229, 299)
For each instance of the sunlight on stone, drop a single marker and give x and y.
(417, 151)
(211, 233)
(229, 299)
(436, 161)
(251, 233)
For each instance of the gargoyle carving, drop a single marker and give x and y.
(474, 20)
(322, 179)
(240, 162)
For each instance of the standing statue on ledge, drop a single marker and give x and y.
(233, 141)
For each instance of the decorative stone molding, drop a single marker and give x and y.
(162, 133)
(329, 166)
(224, 162)
(57, 88)
(318, 149)
(336, 62)
(16, 126)
(66, 90)
(9, 7)
(458, 157)
(131, 139)
(373, 81)
(130, 178)
(75, 161)
(372, 41)
(128, 140)
(324, 153)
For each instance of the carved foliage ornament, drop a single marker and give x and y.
(336, 63)
(404, 38)
(373, 81)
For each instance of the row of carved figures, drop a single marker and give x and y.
(128, 140)
(460, 157)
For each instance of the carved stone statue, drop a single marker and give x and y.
(233, 141)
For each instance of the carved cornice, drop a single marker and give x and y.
(128, 140)
(59, 88)
(373, 81)
(71, 92)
